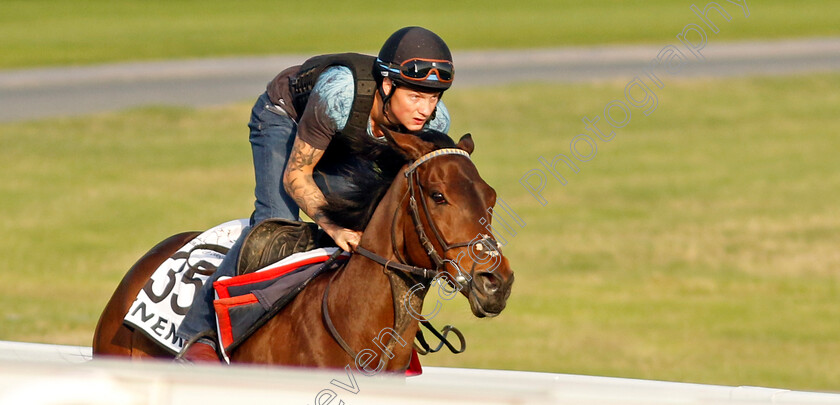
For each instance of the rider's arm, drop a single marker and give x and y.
(326, 112)
(299, 184)
(298, 181)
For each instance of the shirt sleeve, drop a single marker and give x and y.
(441, 121)
(328, 108)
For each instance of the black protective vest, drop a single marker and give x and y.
(361, 66)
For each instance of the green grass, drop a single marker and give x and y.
(84, 198)
(699, 245)
(57, 32)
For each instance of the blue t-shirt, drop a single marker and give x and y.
(328, 108)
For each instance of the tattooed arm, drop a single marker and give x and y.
(300, 185)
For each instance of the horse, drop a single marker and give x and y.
(376, 299)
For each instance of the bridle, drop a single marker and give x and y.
(425, 275)
(415, 189)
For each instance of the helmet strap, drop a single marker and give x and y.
(434, 113)
(386, 102)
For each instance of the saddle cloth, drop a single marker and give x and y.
(166, 297)
(244, 303)
(161, 305)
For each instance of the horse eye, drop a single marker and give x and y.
(438, 198)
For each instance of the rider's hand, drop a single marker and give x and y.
(346, 239)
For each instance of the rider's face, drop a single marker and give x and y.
(410, 107)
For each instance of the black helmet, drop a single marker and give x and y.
(416, 57)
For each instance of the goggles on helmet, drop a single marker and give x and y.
(419, 69)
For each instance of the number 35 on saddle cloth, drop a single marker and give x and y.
(277, 260)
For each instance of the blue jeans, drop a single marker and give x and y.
(272, 136)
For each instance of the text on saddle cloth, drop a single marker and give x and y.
(164, 300)
(161, 305)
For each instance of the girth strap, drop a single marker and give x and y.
(328, 321)
(420, 272)
(399, 322)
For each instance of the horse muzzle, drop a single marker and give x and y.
(489, 293)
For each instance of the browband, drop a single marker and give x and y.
(433, 154)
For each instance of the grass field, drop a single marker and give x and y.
(57, 32)
(698, 245)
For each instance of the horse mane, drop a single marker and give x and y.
(353, 209)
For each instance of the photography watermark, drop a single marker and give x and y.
(638, 96)
(364, 360)
(617, 113)
(483, 250)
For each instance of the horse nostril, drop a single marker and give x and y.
(489, 283)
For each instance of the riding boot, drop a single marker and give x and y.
(200, 351)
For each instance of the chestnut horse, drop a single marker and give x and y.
(430, 225)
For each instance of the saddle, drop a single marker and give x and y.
(275, 239)
(249, 299)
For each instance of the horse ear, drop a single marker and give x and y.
(410, 146)
(466, 143)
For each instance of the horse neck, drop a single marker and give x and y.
(367, 290)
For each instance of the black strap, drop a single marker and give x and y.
(426, 349)
(361, 66)
(418, 225)
(422, 272)
(328, 321)
(357, 122)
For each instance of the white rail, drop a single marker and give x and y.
(41, 374)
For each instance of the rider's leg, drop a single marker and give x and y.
(198, 329)
(271, 136)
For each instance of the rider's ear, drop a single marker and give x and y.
(408, 145)
(466, 143)
(387, 85)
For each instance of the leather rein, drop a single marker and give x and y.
(401, 267)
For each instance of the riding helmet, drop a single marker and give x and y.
(411, 44)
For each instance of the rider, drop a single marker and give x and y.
(331, 104)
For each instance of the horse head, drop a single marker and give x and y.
(450, 206)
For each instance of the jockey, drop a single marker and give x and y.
(332, 105)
